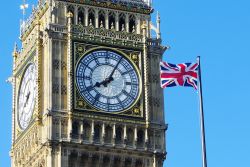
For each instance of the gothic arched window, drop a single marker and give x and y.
(122, 26)
(112, 21)
(118, 132)
(95, 160)
(73, 159)
(117, 161)
(132, 26)
(127, 162)
(97, 133)
(91, 21)
(86, 131)
(75, 130)
(140, 138)
(138, 163)
(84, 160)
(130, 137)
(101, 19)
(81, 18)
(105, 161)
(108, 134)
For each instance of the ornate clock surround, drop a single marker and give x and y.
(19, 73)
(80, 105)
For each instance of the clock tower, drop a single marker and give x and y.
(86, 86)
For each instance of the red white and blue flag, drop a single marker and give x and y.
(185, 74)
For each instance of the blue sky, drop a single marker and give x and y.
(219, 32)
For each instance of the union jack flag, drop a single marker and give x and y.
(179, 74)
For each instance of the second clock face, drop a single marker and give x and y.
(107, 80)
(27, 96)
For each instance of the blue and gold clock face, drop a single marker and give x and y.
(107, 81)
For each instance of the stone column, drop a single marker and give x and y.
(127, 23)
(133, 162)
(13, 81)
(60, 129)
(90, 157)
(86, 16)
(76, 15)
(116, 21)
(92, 131)
(138, 25)
(100, 163)
(59, 154)
(114, 134)
(111, 161)
(125, 134)
(96, 18)
(49, 127)
(49, 157)
(135, 136)
(65, 158)
(106, 19)
(103, 133)
(59, 52)
(122, 163)
(69, 68)
(145, 74)
(146, 139)
(81, 131)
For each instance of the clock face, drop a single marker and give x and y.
(27, 96)
(108, 81)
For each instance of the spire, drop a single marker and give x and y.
(158, 17)
(158, 21)
(23, 7)
(15, 50)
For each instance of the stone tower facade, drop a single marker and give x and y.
(86, 86)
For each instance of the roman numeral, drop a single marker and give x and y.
(96, 60)
(107, 58)
(87, 89)
(97, 97)
(127, 94)
(120, 102)
(84, 77)
(127, 72)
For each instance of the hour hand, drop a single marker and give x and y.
(27, 99)
(104, 83)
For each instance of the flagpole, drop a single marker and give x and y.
(202, 124)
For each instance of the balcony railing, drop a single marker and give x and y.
(136, 3)
(79, 29)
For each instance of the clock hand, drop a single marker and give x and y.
(27, 99)
(110, 78)
(104, 83)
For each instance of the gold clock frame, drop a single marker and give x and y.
(136, 108)
(19, 76)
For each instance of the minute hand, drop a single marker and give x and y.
(113, 71)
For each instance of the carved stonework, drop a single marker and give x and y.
(63, 89)
(66, 130)
(56, 64)
(63, 65)
(55, 88)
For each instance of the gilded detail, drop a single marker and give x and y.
(98, 100)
